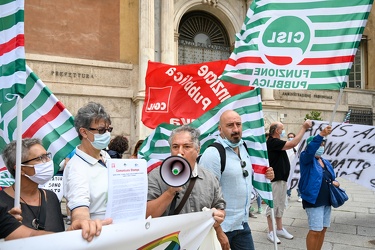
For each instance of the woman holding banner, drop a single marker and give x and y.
(316, 174)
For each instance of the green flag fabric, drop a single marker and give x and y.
(155, 148)
(12, 50)
(297, 44)
(44, 117)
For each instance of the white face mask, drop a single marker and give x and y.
(101, 141)
(282, 133)
(43, 172)
(232, 144)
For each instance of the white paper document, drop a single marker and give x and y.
(127, 189)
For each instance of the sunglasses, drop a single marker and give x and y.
(43, 158)
(244, 171)
(102, 130)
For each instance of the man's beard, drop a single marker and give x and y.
(235, 137)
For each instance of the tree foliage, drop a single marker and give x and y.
(314, 115)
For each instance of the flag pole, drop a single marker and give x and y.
(274, 229)
(337, 102)
(17, 189)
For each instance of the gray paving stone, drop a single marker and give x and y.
(352, 225)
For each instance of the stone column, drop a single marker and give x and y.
(146, 53)
(167, 32)
(267, 95)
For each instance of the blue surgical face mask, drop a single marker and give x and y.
(320, 151)
(282, 133)
(290, 139)
(101, 141)
(232, 144)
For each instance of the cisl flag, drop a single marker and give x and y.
(12, 50)
(180, 94)
(298, 44)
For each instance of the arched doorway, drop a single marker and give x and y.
(202, 38)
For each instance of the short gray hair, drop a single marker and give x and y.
(9, 152)
(194, 134)
(91, 112)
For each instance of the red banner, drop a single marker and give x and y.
(178, 94)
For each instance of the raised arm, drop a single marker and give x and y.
(291, 144)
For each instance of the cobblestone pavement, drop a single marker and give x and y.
(352, 225)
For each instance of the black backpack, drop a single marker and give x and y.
(223, 156)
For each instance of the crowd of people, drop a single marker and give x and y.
(220, 180)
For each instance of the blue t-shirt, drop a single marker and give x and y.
(70, 155)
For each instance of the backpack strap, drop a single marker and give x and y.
(244, 144)
(223, 156)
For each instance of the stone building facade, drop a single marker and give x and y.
(94, 50)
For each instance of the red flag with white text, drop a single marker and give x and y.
(178, 94)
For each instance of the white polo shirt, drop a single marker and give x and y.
(86, 183)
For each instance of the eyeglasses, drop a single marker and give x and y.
(244, 171)
(43, 158)
(102, 130)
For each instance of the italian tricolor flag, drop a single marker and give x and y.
(297, 44)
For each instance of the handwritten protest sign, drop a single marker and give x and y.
(55, 185)
(350, 148)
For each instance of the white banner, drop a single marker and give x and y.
(56, 185)
(350, 148)
(186, 231)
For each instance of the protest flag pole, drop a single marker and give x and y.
(17, 189)
(274, 229)
(338, 101)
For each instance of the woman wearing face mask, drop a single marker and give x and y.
(316, 174)
(85, 175)
(40, 208)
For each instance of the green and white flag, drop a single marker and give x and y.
(44, 117)
(297, 44)
(155, 148)
(12, 50)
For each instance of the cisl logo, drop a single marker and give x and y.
(285, 40)
(158, 99)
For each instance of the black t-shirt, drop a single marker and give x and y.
(278, 159)
(54, 219)
(7, 223)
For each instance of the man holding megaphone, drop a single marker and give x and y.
(170, 184)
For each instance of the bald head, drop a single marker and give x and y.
(230, 126)
(229, 114)
(275, 129)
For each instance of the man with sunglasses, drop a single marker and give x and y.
(85, 175)
(235, 180)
